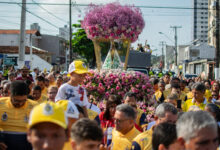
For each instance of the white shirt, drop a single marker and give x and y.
(76, 94)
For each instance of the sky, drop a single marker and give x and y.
(156, 20)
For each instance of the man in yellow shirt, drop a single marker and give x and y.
(14, 113)
(159, 95)
(124, 131)
(130, 99)
(198, 90)
(40, 81)
(165, 112)
(86, 135)
(176, 89)
(183, 87)
(37, 95)
(166, 78)
(47, 127)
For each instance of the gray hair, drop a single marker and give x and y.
(190, 123)
(198, 86)
(163, 108)
(127, 110)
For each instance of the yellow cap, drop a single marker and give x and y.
(78, 67)
(70, 108)
(48, 112)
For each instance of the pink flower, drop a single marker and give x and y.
(117, 88)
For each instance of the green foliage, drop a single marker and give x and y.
(82, 45)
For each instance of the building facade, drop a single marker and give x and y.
(64, 32)
(200, 21)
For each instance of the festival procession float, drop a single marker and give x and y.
(114, 27)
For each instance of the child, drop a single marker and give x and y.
(72, 90)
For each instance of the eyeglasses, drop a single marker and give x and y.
(120, 121)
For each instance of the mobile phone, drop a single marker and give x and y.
(179, 103)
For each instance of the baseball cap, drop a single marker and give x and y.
(70, 108)
(48, 112)
(78, 67)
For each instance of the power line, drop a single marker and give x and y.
(50, 12)
(40, 18)
(85, 5)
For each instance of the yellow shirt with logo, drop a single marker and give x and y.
(121, 141)
(192, 102)
(143, 141)
(14, 119)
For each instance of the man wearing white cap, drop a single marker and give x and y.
(73, 90)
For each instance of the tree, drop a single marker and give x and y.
(82, 45)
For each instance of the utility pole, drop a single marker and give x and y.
(31, 53)
(21, 57)
(175, 38)
(162, 43)
(70, 32)
(217, 48)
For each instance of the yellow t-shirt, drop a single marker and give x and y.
(123, 142)
(53, 84)
(189, 95)
(191, 102)
(183, 96)
(186, 90)
(143, 141)
(44, 92)
(14, 119)
(42, 99)
(92, 114)
(166, 93)
(140, 121)
(157, 95)
(67, 145)
(208, 94)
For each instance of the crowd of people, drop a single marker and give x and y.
(52, 111)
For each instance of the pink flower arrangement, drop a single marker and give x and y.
(148, 109)
(113, 21)
(106, 82)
